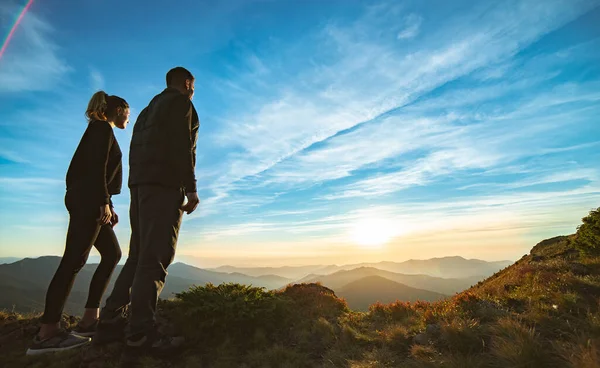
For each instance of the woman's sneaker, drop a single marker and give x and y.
(87, 331)
(62, 341)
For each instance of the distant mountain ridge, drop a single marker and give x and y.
(339, 279)
(446, 267)
(5, 260)
(291, 272)
(25, 281)
(205, 276)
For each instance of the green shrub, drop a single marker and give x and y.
(587, 239)
(208, 315)
(314, 300)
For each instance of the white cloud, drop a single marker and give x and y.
(97, 80)
(450, 145)
(31, 61)
(29, 181)
(30, 190)
(412, 27)
(12, 156)
(421, 172)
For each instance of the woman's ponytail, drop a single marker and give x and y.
(96, 109)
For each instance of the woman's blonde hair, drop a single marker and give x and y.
(102, 106)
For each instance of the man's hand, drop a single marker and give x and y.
(105, 215)
(192, 202)
(115, 218)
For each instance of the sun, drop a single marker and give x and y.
(372, 233)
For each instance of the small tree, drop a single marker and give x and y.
(588, 234)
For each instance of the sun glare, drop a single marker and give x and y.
(372, 233)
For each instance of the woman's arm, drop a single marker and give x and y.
(99, 144)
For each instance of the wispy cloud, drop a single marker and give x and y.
(30, 181)
(32, 61)
(34, 188)
(494, 141)
(12, 156)
(96, 79)
(364, 83)
(413, 26)
(511, 215)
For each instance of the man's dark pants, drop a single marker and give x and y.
(155, 215)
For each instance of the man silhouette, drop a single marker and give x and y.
(161, 173)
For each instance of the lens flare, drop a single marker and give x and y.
(14, 27)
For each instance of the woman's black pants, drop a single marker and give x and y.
(83, 233)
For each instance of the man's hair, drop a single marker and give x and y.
(178, 76)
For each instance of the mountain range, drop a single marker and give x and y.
(339, 279)
(5, 260)
(24, 282)
(446, 267)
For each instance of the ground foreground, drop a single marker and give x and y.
(543, 311)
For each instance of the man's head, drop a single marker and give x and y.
(181, 79)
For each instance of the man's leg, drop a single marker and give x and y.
(160, 220)
(112, 320)
(119, 298)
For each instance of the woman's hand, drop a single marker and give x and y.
(115, 218)
(105, 215)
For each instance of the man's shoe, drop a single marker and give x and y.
(110, 329)
(62, 341)
(156, 345)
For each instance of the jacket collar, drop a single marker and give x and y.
(171, 90)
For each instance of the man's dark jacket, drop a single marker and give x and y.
(163, 145)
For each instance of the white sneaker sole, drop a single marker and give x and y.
(83, 334)
(54, 350)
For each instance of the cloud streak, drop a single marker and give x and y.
(363, 85)
(96, 79)
(413, 26)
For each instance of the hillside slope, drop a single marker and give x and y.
(360, 294)
(541, 312)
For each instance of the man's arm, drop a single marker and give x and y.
(181, 142)
(195, 127)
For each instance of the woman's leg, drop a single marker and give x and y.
(82, 233)
(110, 252)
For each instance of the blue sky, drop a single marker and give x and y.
(331, 131)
